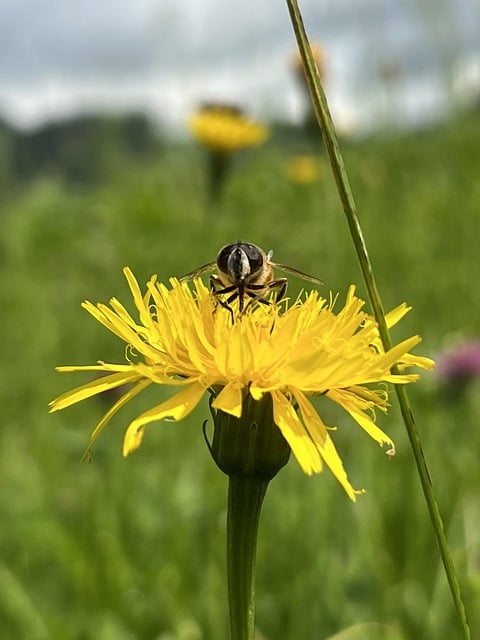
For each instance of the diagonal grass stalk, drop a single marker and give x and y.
(346, 196)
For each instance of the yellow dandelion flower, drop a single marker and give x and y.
(225, 129)
(290, 353)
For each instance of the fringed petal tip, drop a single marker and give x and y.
(132, 441)
(344, 482)
(356, 492)
(87, 455)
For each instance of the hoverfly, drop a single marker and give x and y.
(245, 271)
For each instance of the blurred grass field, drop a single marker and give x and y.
(134, 549)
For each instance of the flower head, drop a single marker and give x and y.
(225, 129)
(460, 364)
(292, 352)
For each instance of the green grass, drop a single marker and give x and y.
(134, 549)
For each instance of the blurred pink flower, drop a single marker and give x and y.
(460, 364)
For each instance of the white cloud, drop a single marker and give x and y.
(62, 56)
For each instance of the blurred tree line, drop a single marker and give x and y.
(83, 149)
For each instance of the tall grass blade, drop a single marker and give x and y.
(346, 196)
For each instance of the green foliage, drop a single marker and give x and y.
(134, 549)
(84, 149)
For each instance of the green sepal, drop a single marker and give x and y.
(252, 445)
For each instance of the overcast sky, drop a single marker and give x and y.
(59, 57)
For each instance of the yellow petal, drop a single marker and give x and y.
(230, 399)
(101, 366)
(318, 431)
(256, 391)
(347, 401)
(157, 376)
(294, 432)
(176, 408)
(104, 383)
(131, 393)
(401, 379)
(114, 323)
(334, 463)
(145, 316)
(388, 359)
(311, 419)
(371, 428)
(132, 441)
(411, 360)
(395, 315)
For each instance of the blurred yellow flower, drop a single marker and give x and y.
(304, 169)
(292, 352)
(224, 129)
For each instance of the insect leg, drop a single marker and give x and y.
(281, 285)
(214, 282)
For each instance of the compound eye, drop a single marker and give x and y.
(255, 257)
(223, 256)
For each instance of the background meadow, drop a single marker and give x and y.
(134, 549)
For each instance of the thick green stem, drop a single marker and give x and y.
(245, 498)
(251, 450)
(325, 122)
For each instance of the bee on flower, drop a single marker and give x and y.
(246, 273)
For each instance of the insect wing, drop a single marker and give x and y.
(296, 272)
(210, 266)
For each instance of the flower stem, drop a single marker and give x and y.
(218, 169)
(343, 185)
(245, 498)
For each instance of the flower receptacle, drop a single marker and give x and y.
(251, 445)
